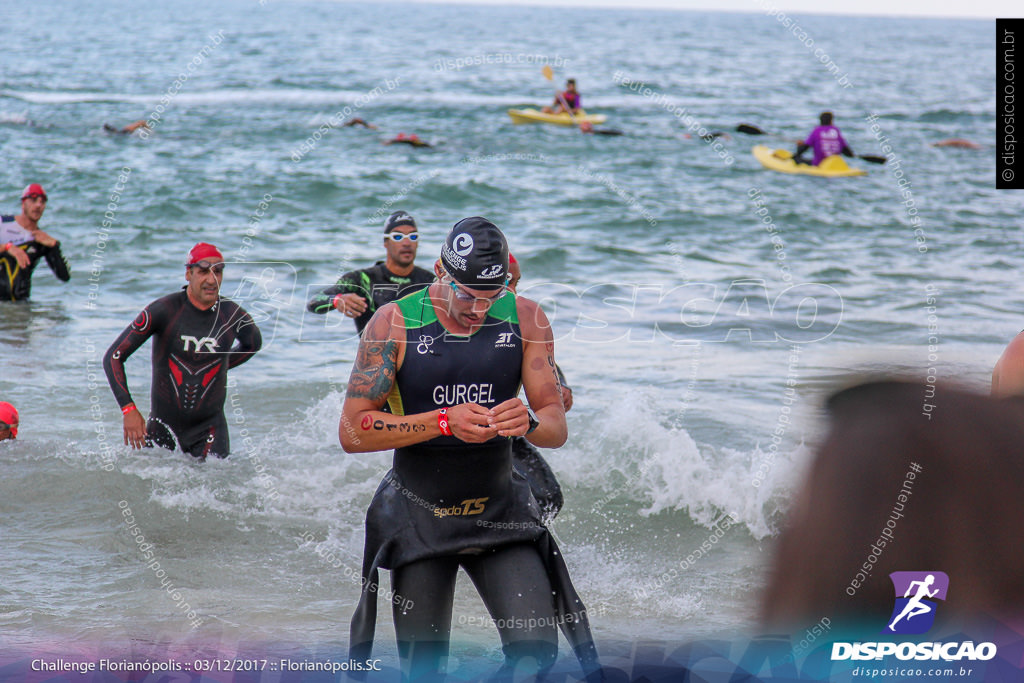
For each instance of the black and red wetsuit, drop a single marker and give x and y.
(192, 352)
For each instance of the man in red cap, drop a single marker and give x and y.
(194, 332)
(8, 421)
(22, 244)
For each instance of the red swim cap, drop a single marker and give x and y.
(201, 251)
(9, 416)
(33, 190)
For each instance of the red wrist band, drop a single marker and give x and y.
(128, 408)
(334, 301)
(442, 422)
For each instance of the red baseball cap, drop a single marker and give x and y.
(33, 190)
(202, 250)
(9, 416)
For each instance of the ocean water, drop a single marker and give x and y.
(679, 322)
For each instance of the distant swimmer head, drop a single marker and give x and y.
(475, 254)
(586, 126)
(32, 191)
(8, 421)
(396, 219)
(826, 118)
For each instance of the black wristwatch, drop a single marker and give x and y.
(534, 422)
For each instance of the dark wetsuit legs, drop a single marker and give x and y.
(423, 631)
(528, 460)
(209, 438)
(515, 589)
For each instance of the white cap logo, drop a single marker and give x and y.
(463, 244)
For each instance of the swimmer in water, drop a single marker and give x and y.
(588, 127)
(412, 139)
(8, 421)
(358, 122)
(127, 130)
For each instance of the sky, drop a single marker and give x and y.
(989, 9)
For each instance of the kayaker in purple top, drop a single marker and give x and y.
(568, 101)
(826, 140)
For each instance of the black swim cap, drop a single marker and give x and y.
(475, 254)
(396, 219)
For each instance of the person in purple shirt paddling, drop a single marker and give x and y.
(568, 101)
(825, 140)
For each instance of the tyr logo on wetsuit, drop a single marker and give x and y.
(209, 343)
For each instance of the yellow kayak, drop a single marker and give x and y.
(782, 160)
(561, 119)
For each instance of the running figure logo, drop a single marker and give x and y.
(914, 611)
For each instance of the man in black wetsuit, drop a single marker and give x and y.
(195, 330)
(360, 293)
(450, 361)
(22, 244)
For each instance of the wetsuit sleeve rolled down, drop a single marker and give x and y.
(57, 263)
(249, 341)
(134, 336)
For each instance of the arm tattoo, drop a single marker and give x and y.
(374, 372)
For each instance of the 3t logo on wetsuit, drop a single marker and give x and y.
(504, 341)
(197, 344)
(470, 506)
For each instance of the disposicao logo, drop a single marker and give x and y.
(916, 599)
(916, 595)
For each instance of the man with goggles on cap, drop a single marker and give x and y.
(450, 361)
(22, 244)
(194, 332)
(360, 293)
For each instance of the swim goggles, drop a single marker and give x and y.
(463, 295)
(205, 267)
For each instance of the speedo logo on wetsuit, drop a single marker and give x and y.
(470, 506)
(454, 394)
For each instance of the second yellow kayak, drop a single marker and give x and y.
(782, 160)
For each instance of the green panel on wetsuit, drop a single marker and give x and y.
(417, 311)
